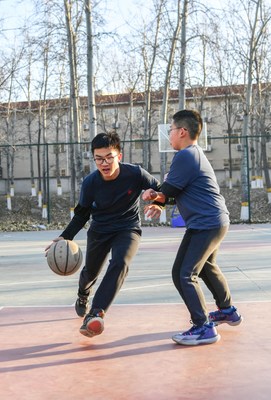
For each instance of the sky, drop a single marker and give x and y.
(11, 20)
(13, 13)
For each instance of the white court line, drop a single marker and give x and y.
(49, 306)
(139, 304)
(182, 303)
(35, 282)
(129, 279)
(145, 287)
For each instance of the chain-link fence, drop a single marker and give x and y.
(49, 176)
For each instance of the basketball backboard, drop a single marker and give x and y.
(163, 138)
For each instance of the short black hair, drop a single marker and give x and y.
(106, 140)
(189, 119)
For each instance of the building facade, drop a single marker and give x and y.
(37, 142)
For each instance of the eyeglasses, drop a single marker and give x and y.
(108, 160)
(174, 129)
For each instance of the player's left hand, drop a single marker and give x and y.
(152, 211)
(54, 240)
(149, 194)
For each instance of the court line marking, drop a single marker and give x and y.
(245, 279)
(139, 304)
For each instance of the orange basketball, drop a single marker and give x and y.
(64, 257)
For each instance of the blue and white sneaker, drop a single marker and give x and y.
(205, 334)
(226, 316)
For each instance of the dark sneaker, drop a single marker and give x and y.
(205, 334)
(228, 316)
(81, 305)
(93, 323)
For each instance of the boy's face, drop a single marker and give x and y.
(178, 137)
(107, 161)
(174, 136)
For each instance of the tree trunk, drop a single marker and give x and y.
(90, 79)
(164, 116)
(183, 56)
(75, 131)
(247, 121)
(148, 88)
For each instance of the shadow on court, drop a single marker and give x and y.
(135, 358)
(44, 357)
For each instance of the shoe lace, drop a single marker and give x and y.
(196, 328)
(191, 330)
(215, 314)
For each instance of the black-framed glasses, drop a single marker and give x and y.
(108, 160)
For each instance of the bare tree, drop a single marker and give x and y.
(30, 118)
(90, 78)
(11, 119)
(183, 55)
(260, 123)
(10, 136)
(225, 69)
(59, 125)
(74, 98)
(256, 30)
(180, 22)
(149, 71)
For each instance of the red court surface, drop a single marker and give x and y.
(44, 357)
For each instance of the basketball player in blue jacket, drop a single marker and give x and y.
(110, 196)
(192, 183)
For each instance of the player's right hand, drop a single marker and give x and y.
(152, 211)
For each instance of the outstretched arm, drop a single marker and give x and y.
(151, 194)
(80, 218)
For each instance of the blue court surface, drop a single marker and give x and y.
(43, 355)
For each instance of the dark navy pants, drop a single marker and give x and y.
(123, 246)
(196, 258)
